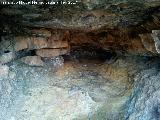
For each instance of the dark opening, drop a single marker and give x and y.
(81, 53)
(7, 51)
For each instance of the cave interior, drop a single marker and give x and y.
(93, 60)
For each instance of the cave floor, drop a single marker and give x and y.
(76, 90)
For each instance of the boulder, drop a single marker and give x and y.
(51, 52)
(6, 44)
(40, 42)
(156, 37)
(4, 70)
(31, 43)
(32, 60)
(148, 42)
(37, 43)
(137, 48)
(7, 57)
(21, 43)
(151, 41)
(58, 44)
(156, 32)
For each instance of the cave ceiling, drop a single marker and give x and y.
(85, 15)
(118, 25)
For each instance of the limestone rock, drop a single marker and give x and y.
(137, 48)
(35, 93)
(148, 42)
(81, 90)
(54, 63)
(90, 15)
(6, 44)
(151, 41)
(113, 73)
(119, 41)
(29, 43)
(156, 37)
(21, 43)
(144, 101)
(7, 57)
(57, 44)
(32, 60)
(156, 32)
(37, 43)
(41, 32)
(32, 42)
(4, 71)
(51, 52)
(57, 40)
(59, 35)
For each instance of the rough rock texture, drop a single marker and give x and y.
(75, 91)
(145, 99)
(4, 71)
(148, 42)
(51, 52)
(32, 60)
(62, 42)
(151, 41)
(113, 25)
(100, 60)
(88, 89)
(32, 43)
(7, 57)
(40, 32)
(156, 37)
(90, 14)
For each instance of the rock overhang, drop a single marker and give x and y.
(116, 25)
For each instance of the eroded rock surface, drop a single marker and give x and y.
(74, 91)
(125, 27)
(92, 60)
(32, 60)
(144, 102)
(85, 89)
(86, 14)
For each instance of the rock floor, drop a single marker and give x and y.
(78, 90)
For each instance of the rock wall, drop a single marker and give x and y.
(110, 64)
(144, 101)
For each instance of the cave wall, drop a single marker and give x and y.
(32, 70)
